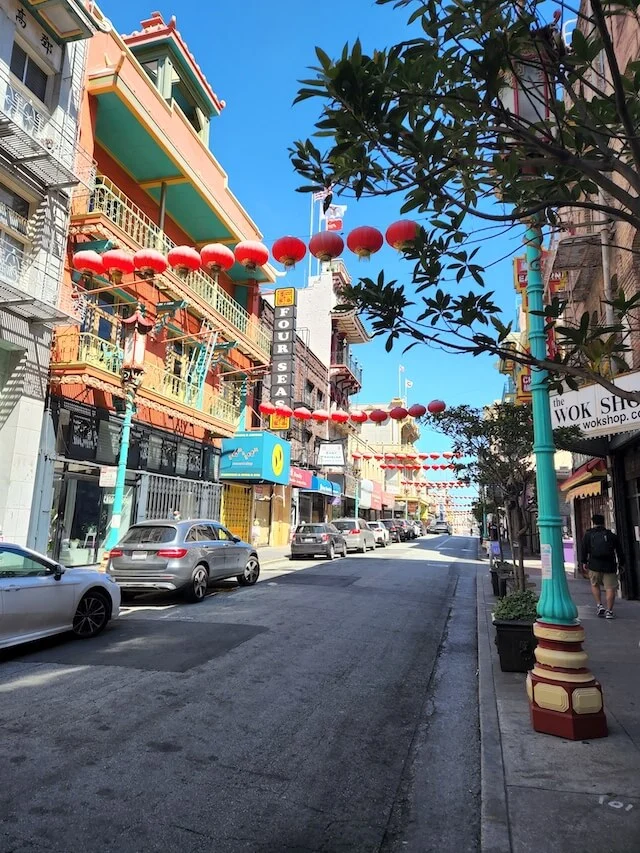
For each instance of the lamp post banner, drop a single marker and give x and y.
(596, 411)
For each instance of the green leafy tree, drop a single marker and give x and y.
(429, 120)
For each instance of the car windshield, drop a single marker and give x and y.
(311, 528)
(149, 535)
(389, 523)
(345, 525)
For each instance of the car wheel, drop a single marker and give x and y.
(363, 549)
(251, 572)
(384, 543)
(196, 590)
(331, 552)
(92, 614)
(344, 550)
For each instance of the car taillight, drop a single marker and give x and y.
(325, 537)
(355, 530)
(172, 553)
(116, 552)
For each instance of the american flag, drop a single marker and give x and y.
(322, 194)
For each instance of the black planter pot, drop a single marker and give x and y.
(516, 644)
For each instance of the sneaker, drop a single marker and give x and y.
(600, 610)
(609, 615)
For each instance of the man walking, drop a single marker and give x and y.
(600, 548)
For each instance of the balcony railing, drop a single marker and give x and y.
(31, 136)
(13, 220)
(344, 358)
(87, 348)
(112, 203)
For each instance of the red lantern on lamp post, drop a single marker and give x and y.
(326, 246)
(183, 260)
(149, 262)
(365, 241)
(216, 257)
(88, 263)
(288, 251)
(401, 235)
(117, 263)
(251, 254)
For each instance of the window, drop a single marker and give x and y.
(28, 72)
(14, 210)
(224, 535)
(149, 535)
(152, 68)
(16, 564)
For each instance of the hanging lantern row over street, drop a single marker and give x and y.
(378, 416)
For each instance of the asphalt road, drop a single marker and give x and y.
(330, 708)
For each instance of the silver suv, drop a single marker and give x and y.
(357, 534)
(181, 555)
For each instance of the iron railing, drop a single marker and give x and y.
(116, 206)
(343, 357)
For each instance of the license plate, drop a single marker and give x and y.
(309, 539)
(139, 555)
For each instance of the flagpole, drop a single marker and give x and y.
(310, 236)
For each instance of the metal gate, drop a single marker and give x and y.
(237, 510)
(160, 496)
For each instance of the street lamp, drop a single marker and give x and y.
(565, 699)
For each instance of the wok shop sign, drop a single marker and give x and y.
(595, 410)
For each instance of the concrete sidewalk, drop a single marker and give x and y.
(270, 554)
(542, 793)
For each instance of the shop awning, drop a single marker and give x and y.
(323, 487)
(586, 480)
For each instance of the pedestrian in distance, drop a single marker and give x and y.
(601, 556)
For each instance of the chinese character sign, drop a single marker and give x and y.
(283, 345)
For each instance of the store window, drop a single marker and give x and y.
(28, 72)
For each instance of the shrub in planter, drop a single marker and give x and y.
(514, 617)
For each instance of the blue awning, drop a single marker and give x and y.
(323, 487)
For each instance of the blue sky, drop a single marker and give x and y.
(253, 53)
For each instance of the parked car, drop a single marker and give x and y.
(357, 534)
(311, 539)
(380, 532)
(181, 555)
(406, 530)
(439, 527)
(392, 527)
(417, 528)
(39, 597)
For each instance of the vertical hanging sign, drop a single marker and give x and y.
(283, 346)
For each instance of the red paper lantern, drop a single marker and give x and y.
(451, 466)
(364, 241)
(417, 410)
(251, 254)
(402, 234)
(367, 456)
(284, 410)
(320, 415)
(426, 467)
(149, 262)
(340, 416)
(117, 263)
(267, 408)
(326, 245)
(359, 417)
(398, 413)
(436, 407)
(356, 455)
(288, 251)
(435, 455)
(302, 413)
(184, 259)
(448, 455)
(378, 456)
(88, 263)
(384, 467)
(378, 416)
(389, 455)
(423, 455)
(216, 257)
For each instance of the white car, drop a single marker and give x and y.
(39, 597)
(380, 532)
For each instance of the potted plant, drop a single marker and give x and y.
(514, 617)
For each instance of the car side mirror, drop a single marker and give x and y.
(58, 572)
(236, 539)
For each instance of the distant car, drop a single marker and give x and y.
(392, 527)
(311, 539)
(406, 530)
(181, 555)
(380, 533)
(357, 534)
(39, 597)
(417, 527)
(440, 527)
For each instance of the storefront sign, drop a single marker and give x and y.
(279, 423)
(300, 478)
(366, 492)
(108, 477)
(596, 411)
(262, 492)
(376, 497)
(523, 386)
(558, 280)
(331, 454)
(388, 500)
(283, 345)
(324, 487)
(256, 456)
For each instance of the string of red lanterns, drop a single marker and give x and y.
(377, 416)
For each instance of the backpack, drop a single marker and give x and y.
(601, 546)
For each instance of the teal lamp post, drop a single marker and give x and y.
(135, 330)
(565, 699)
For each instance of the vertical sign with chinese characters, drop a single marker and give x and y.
(36, 37)
(283, 345)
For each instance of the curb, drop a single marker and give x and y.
(495, 835)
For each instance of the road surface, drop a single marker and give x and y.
(330, 708)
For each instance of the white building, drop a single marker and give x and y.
(42, 66)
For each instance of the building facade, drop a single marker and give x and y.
(146, 116)
(42, 70)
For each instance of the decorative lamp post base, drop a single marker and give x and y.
(564, 697)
